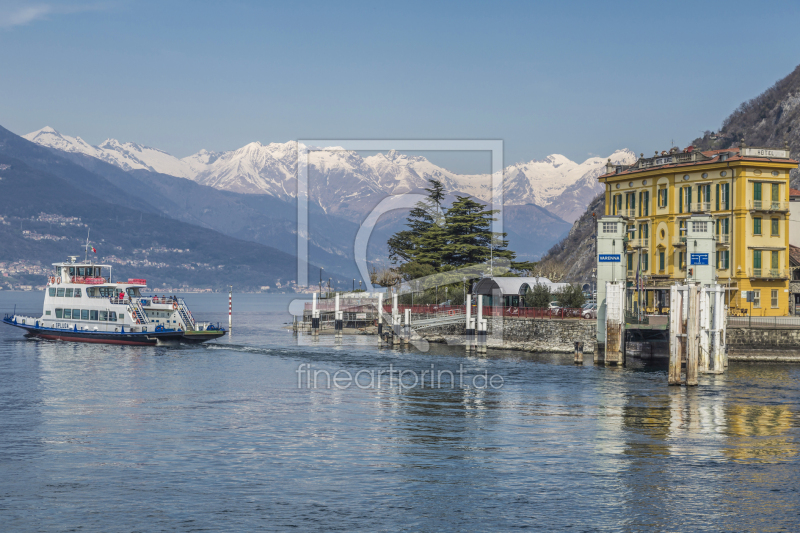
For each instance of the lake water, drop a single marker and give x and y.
(221, 437)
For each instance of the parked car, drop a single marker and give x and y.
(589, 311)
(554, 306)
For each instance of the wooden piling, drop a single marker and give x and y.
(578, 353)
(675, 330)
(692, 323)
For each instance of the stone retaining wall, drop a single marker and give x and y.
(528, 334)
(763, 344)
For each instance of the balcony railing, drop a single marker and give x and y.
(769, 273)
(630, 213)
(723, 238)
(768, 205)
(679, 241)
(701, 207)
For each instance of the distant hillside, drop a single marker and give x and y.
(769, 119)
(577, 250)
(144, 243)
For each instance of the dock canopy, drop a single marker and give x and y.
(507, 291)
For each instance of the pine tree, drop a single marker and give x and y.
(404, 246)
(468, 227)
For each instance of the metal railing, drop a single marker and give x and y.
(88, 280)
(763, 321)
(723, 238)
(423, 312)
(630, 213)
(768, 205)
(701, 207)
(679, 241)
(768, 273)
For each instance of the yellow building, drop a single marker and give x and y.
(744, 189)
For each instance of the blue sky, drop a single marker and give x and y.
(575, 78)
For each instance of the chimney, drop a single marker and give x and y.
(609, 167)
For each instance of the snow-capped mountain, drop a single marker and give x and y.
(128, 156)
(345, 183)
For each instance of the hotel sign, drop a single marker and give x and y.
(765, 152)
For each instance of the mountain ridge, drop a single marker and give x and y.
(358, 182)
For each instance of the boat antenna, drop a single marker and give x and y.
(86, 247)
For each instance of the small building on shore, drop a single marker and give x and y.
(507, 292)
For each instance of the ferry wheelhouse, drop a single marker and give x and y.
(82, 303)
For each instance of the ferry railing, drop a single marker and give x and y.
(88, 280)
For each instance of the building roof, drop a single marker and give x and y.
(709, 157)
(508, 286)
(794, 192)
(794, 255)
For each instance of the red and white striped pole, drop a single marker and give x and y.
(230, 308)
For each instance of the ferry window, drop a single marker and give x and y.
(52, 291)
(92, 315)
(76, 314)
(103, 316)
(47, 313)
(84, 314)
(112, 316)
(67, 313)
(68, 293)
(80, 271)
(91, 292)
(59, 313)
(77, 293)
(60, 293)
(71, 271)
(97, 272)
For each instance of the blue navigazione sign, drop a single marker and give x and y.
(609, 258)
(698, 259)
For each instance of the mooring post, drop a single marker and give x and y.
(395, 320)
(337, 322)
(407, 327)
(467, 330)
(479, 348)
(314, 316)
(380, 317)
(692, 341)
(578, 353)
(675, 322)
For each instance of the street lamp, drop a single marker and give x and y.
(320, 283)
(329, 287)
(354, 284)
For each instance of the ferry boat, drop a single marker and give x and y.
(83, 304)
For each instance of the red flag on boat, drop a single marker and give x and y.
(94, 250)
